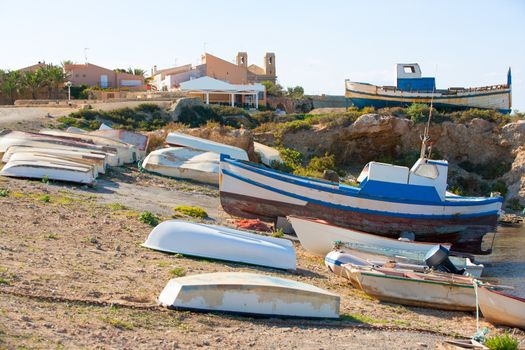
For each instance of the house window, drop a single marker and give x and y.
(261, 95)
(83, 75)
(409, 69)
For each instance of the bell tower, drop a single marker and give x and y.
(269, 63)
(242, 59)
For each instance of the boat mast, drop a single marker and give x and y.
(425, 138)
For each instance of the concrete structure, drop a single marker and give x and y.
(93, 75)
(216, 91)
(217, 68)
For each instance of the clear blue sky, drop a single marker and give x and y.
(317, 43)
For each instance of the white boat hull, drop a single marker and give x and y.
(180, 139)
(501, 309)
(267, 154)
(247, 293)
(222, 243)
(184, 163)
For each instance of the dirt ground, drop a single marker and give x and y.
(74, 275)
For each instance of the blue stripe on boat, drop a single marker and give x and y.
(332, 261)
(360, 210)
(352, 191)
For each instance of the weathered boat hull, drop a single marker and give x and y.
(368, 95)
(465, 234)
(501, 309)
(223, 243)
(179, 139)
(248, 293)
(414, 291)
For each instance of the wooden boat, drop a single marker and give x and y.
(267, 154)
(9, 138)
(36, 166)
(248, 293)
(126, 152)
(179, 139)
(318, 236)
(389, 200)
(97, 159)
(136, 139)
(412, 88)
(184, 163)
(222, 243)
(433, 290)
(501, 309)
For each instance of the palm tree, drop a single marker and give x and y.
(33, 81)
(10, 84)
(54, 77)
(136, 71)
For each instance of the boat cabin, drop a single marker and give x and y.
(425, 181)
(409, 78)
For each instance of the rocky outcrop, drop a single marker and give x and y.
(176, 108)
(373, 137)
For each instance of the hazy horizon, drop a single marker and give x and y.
(317, 45)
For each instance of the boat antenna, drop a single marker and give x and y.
(426, 138)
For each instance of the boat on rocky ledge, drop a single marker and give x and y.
(390, 201)
(412, 88)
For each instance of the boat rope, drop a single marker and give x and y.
(266, 321)
(480, 334)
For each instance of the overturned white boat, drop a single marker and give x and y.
(222, 243)
(35, 166)
(136, 139)
(179, 139)
(248, 293)
(10, 138)
(127, 153)
(184, 163)
(97, 159)
(267, 154)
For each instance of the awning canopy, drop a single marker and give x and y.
(211, 85)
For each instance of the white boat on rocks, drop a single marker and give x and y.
(222, 243)
(502, 309)
(248, 293)
(184, 163)
(179, 139)
(267, 154)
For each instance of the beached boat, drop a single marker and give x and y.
(97, 159)
(248, 293)
(222, 243)
(126, 152)
(318, 236)
(389, 201)
(433, 290)
(9, 138)
(501, 309)
(267, 154)
(27, 165)
(412, 88)
(136, 139)
(179, 139)
(184, 163)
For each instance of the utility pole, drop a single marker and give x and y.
(85, 54)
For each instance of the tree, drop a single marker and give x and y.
(273, 89)
(295, 92)
(10, 84)
(54, 76)
(33, 81)
(120, 70)
(136, 71)
(64, 63)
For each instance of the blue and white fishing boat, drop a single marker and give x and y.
(389, 201)
(412, 88)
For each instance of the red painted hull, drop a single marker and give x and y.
(465, 234)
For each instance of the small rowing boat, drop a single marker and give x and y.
(501, 309)
(179, 139)
(249, 293)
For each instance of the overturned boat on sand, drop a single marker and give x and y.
(249, 293)
(390, 200)
(179, 139)
(222, 243)
(184, 163)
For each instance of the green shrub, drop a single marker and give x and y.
(149, 218)
(177, 272)
(45, 179)
(514, 204)
(4, 192)
(278, 233)
(502, 342)
(320, 164)
(499, 186)
(418, 112)
(489, 171)
(195, 212)
(486, 114)
(45, 198)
